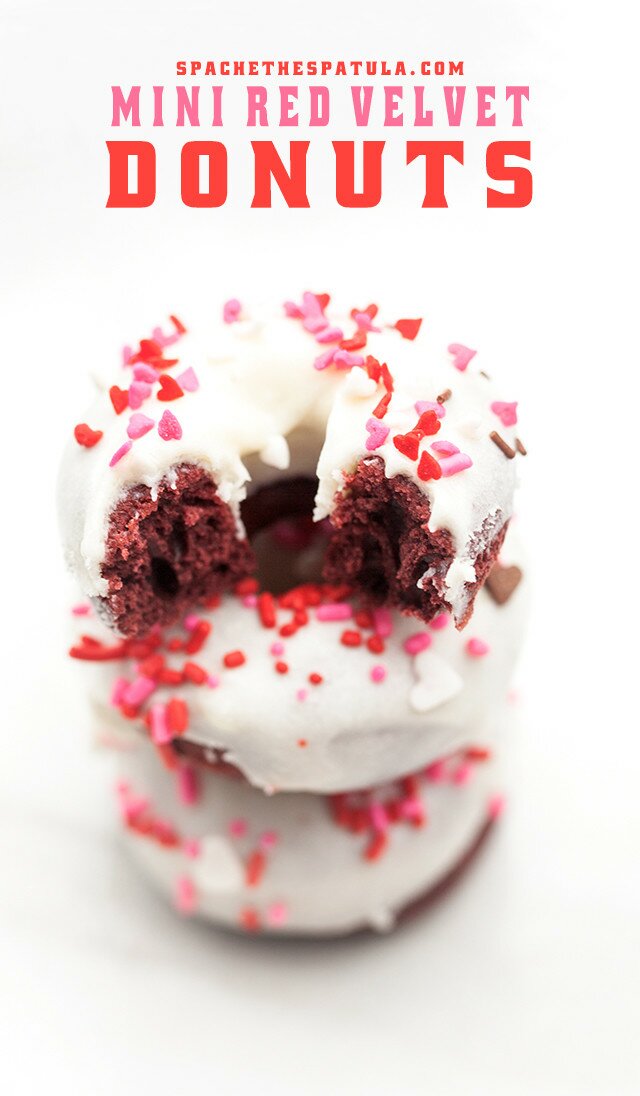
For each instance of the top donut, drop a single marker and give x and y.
(406, 456)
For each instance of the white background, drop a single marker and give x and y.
(526, 979)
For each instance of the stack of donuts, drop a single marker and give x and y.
(301, 604)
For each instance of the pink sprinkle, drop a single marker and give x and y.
(378, 673)
(139, 391)
(302, 694)
(378, 817)
(188, 381)
(344, 359)
(446, 448)
(324, 360)
(191, 621)
(412, 808)
(477, 648)
(439, 622)
(435, 772)
(378, 434)
(314, 324)
(191, 847)
(160, 732)
(185, 895)
(238, 827)
(364, 321)
(462, 355)
(338, 610)
(330, 334)
(419, 641)
(277, 914)
(139, 425)
(506, 412)
(166, 340)
(83, 609)
(127, 354)
(250, 601)
(292, 311)
(496, 806)
(169, 428)
(138, 691)
(188, 786)
(120, 453)
(146, 373)
(120, 686)
(213, 681)
(268, 840)
(231, 310)
(457, 463)
(463, 774)
(383, 622)
(428, 405)
(276, 648)
(311, 305)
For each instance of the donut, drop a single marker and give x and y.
(307, 691)
(302, 864)
(402, 450)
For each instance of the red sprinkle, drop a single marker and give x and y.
(351, 638)
(250, 919)
(85, 436)
(408, 328)
(234, 658)
(316, 679)
(198, 637)
(428, 467)
(282, 667)
(246, 586)
(267, 610)
(177, 715)
(119, 399)
(375, 645)
(169, 388)
(254, 869)
(194, 673)
(302, 742)
(376, 846)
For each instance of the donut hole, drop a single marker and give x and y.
(164, 580)
(288, 546)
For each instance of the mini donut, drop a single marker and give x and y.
(300, 864)
(405, 447)
(308, 691)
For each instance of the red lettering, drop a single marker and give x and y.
(434, 153)
(216, 193)
(371, 174)
(119, 195)
(292, 184)
(498, 170)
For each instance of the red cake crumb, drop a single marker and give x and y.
(381, 544)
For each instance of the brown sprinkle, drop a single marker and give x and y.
(502, 581)
(444, 396)
(485, 375)
(520, 447)
(502, 445)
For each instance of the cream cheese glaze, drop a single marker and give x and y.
(254, 406)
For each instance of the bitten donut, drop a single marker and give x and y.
(302, 864)
(309, 692)
(406, 448)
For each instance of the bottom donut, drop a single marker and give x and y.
(300, 864)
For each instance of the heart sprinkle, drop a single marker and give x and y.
(188, 380)
(169, 428)
(408, 328)
(428, 467)
(506, 412)
(120, 453)
(119, 399)
(169, 389)
(462, 355)
(378, 434)
(139, 391)
(231, 311)
(139, 425)
(85, 436)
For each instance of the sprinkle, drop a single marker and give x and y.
(292, 310)
(169, 389)
(146, 373)
(82, 609)
(324, 360)
(234, 659)
(462, 355)
(85, 436)
(188, 786)
(267, 610)
(160, 732)
(408, 328)
(462, 775)
(185, 895)
(246, 586)
(213, 681)
(194, 673)
(520, 447)
(250, 919)
(428, 405)
(191, 847)
(378, 674)
(457, 463)
(254, 868)
(238, 827)
(345, 360)
(180, 328)
(408, 444)
(139, 425)
(231, 310)
(340, 610)
(375, 644)
(188, 380)
(428, 467)
(302, 742)
(250, 601)
(477, 647)
(177, 715)
(506, 412)
(383, 622)
(139, 691)
(379, 818)
(376, 847)
(169, 428)
(502, 445)
(502, 581)
(316, 679)
(191, 621)
(419, 641)
(139, 391)
(277, 914)
(276, 648)
(281, 667)
(118, 690)
(378, 434)
(435, 772)
(444, 396)
(439, 622)
(446, 448)
(496, 806)
(329, 334)
(301, 695)
(351, 638)
(268, 839)
(119, 399)
(120, 453)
